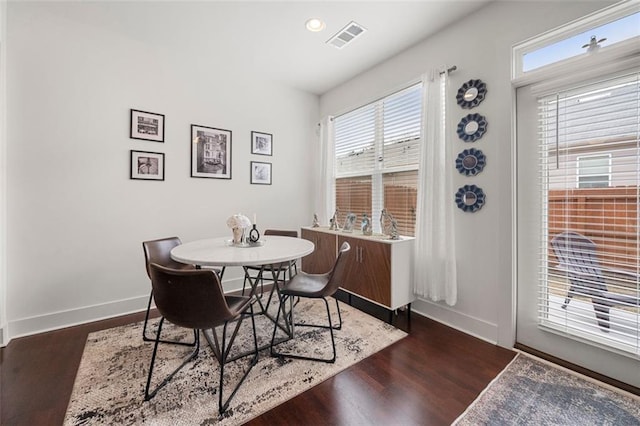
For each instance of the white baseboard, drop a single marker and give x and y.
(450, 317)
(57, 320)
(62, 319)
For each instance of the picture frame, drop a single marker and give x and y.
(147, 126)
(147, 165)
(260, 173)
(210, 152)
(261, 143)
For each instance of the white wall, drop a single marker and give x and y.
(4, 337)
(480, 47)
(75, 219)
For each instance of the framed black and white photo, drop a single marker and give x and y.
(260, 173)
(210, 152)
(147, 126)
(261, 143)
(147, 165)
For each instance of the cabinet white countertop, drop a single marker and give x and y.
(358, 234)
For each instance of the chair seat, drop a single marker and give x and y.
(306, 285)
(237, 303)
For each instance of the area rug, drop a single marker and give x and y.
(109, 386)
(533, 392)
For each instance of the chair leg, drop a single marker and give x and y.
(148, 395)
(602, 313)
(146, 320)
(339, 327)
(222, 406)
(152, 339)
(330, 327)
(569, 296)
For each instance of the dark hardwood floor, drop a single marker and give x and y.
(427, 378)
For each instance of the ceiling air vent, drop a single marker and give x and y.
(346, 35)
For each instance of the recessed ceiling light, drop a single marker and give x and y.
(315, 25)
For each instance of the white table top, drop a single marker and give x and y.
(219, 252)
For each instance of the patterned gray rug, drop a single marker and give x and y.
(532, 392)
(109, 386)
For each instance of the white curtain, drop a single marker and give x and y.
(435, 251)
(325, 189)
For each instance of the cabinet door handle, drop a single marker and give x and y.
(361, 254)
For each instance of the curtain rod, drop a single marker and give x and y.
(453, 68)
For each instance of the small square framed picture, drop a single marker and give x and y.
(147, 165)
(260, 173)
(147, 126)
(261, 143)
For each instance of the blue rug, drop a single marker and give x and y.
(532, 392)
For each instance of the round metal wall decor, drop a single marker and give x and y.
(470, 198)
(471, 94)
(472, 127)
(470, 162)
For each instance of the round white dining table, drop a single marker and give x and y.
(220, 252)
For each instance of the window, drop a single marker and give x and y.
(614, 28)
(594, 171)
(377, 148)
(591, 131)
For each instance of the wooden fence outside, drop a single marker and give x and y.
(608, 216)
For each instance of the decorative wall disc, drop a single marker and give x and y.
(471, 94)
(470, 162)
(470, 198)
(472, 127)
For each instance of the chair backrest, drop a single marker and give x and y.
(159, 251)
(281, 232)
(189, 298)
(576, 253)
(337, 272)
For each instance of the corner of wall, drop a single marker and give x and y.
(4, 333)
(462, 322)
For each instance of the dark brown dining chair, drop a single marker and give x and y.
(313, 286)
(159, 251)
(195, 299)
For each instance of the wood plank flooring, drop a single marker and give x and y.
(427, 378)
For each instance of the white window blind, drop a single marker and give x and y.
(377, 148)
(589, 258)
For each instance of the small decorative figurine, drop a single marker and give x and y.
(349, 222)
(383, 216)
(392, 229)
(366, 225)
(335, 226)
(316, 222)
(393, 233)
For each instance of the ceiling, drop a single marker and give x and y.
(271, 36)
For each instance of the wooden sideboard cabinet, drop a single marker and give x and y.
(379, 270)
(324, 255)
